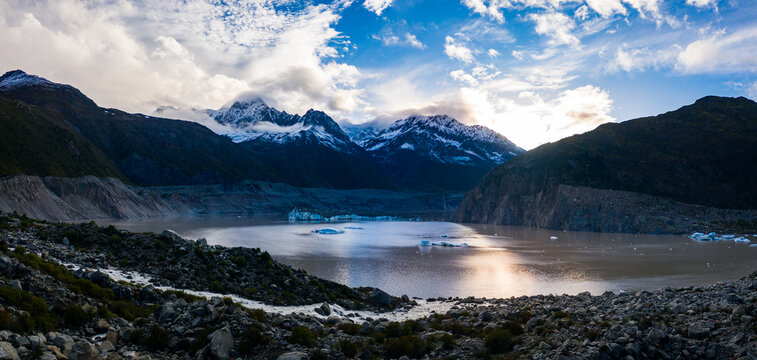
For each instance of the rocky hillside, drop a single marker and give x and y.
(79, 311)
(438, 152)
(702, 154)
(89, 197)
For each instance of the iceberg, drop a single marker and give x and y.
(297, 215)
(704, 237)
(425, 243)
(741, 239)
(444, 236)
(449, 244)
(727, 237)
(553, 238)
(327, 231)
(353, 228)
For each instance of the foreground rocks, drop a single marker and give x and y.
(50, 312)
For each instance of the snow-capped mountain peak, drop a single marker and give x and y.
(254, 120)
(17, 79)
(444, 139)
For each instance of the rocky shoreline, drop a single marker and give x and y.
(51, 312)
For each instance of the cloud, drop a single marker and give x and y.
(377, 6)
(607, 8)
(409, 39)
(493, 53)
(138, 56)
(455, 50)
(703, 3)
(486, 8)
(557, 26)
(720, 53)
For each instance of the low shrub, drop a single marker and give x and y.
(408, 345)
(254, 336)
(75, 316)
(303, 336)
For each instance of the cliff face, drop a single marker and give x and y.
(655, 174)
(89, 197)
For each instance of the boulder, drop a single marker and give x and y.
(63, 342)
(7, 351)
(379, 297)
(171, 235)
(325, 309)
(293, 355)
(83, 351)
(221, 344)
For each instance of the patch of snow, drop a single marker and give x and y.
(407, 146)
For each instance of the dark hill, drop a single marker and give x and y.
(139, 149)
(703, 154)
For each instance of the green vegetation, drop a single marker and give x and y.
(129, 311)
(60, 273)
(503, 338)
(189, 298)
(37, 318)
(254, 337)
(75, 316)
(303, 336)
(410, 345)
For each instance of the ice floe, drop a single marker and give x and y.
(442, 243)
(714, 237)
(297, 215)
(327, 231)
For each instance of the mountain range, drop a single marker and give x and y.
(54, 129)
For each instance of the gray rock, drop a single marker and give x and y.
(202, 242)
(7, 351)
(221, 343)
(294, 355)
(63, 342)
(83, 351)
(379, 297)
(171, 235)
(106, 347)
(325, 309)
(700, 329)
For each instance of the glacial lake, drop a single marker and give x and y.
(499, 261)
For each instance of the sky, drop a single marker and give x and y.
(534, 70)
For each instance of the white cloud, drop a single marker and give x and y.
(721, 53)
(702, 3)
(455, 50)
(409, 39)
(556, 25)
(377, 6)
(493, 53)
(138, 56)
(487, 8)
(607, 8)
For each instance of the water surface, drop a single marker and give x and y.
(500, 261)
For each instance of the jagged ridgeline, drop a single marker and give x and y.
(50, 129)
(702, 154)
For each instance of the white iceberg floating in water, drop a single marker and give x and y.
(449, 244)
(704, 237)
(425, 243)
(444, 236)
(553, 237)
(353, 228)
(753, 245)
(727, 237)
(327, 231)
(741, 239)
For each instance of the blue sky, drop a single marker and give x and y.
(534, 70)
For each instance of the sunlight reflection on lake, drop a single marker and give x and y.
(499, 261)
